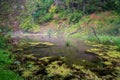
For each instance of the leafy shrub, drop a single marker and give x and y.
(42, 9)
(29, 25)
(75, 17)
(5, 57)
(9, 75)
(68, 43)
(45, 18)
(106, 39)
(64, 14)
(53, 9)
(4, 42)
(5, 60)
(4, 53)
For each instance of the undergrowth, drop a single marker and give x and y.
(6, 58)
(105, 24)
(106, 39)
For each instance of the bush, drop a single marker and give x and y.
(45, 18)
(53, 9)
(75, 17)
(29, 25)
(6, 59)
(64, 14)
(9, 75)
(4, 42)
(106, 39)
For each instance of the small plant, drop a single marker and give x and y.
(29, 25)
(45, 18)
(6, 59)
(107, 40)
(75, 17)
(53, 9)
(4, 42)
(68, 43)
(9, 75)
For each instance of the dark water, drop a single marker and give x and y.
(73, 49)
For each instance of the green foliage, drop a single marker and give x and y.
(53, 9)
(64, 14)
(9, 75)
(45, 18)
(117, 3)
(4, 42)
(91, 6)
(54, 69)
(5, 60)
(108, 56)
(75, 17)
(32, 15)
(5, 57)
(29, 25)
(106, 39)
(68, 43)
(106, 28)
(42, 10)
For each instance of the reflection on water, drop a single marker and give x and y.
(73, 49)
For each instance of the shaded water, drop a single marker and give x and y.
(74, 49)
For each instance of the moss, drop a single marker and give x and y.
(86, 73)
(107, 54)
(110, 59)
(108, 63)
(113, 54)
(55, 69)
(27, 73)
(46, 59)
(30, 56)
(48, 43)
(35, 68)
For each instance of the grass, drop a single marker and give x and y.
(107, 40)
(45, 18)
(104, 39)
